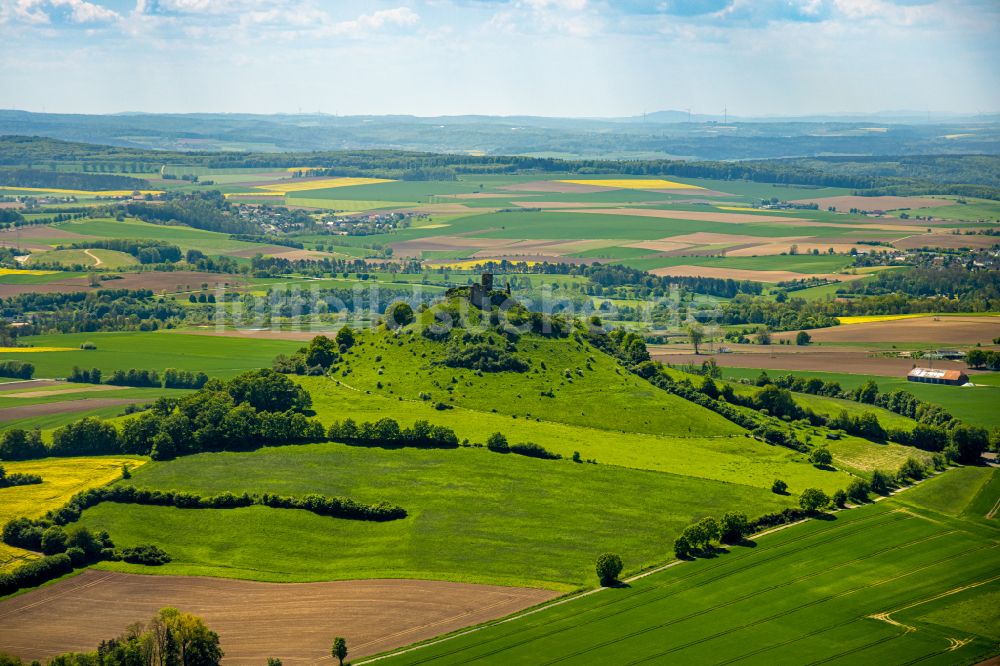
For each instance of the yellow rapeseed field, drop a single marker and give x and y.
(96, 193)
(61, 479)
(472, 263)
(25, 350)
(867, 319)
(634, 184)
(321, 184)
(24, 271)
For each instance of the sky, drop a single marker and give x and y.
(570, 58)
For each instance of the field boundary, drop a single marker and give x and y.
(574, 597)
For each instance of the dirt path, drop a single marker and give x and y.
(254, 620)
(97, 260)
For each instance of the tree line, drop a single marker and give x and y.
(172, 378)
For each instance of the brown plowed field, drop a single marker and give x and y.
(950, 241)
(851, 362)
(293, 621)
(846, 203)
(29, 384)
(744, 274)
(943, 330)
(62, 407)
(157, 281)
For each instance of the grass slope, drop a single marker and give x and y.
(590, 387)
(473, 515)
(729, 458)
(803, 595)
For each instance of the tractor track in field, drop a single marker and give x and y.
(888, 518)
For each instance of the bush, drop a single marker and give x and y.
(485, 358)
(734, 527)
(839, 499)
(147, 554)
(857, 491)
(497, 443)
(16, 369)
(533, 450)
(813, 499)
(779, 487)
(19, 444)
(821, 456)
(609, 566)
(53, 540)
(11, 480)
(35, 573)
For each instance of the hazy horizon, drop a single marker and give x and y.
(554, 58)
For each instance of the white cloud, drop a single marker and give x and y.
(384, 18)
(40, 12)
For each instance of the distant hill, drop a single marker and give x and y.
(657, 135)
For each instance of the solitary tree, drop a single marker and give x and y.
(696, 334)
(813, 499)
(802, 338)
(821, 456)
(609, 566)
(339, 650)
(779, 487)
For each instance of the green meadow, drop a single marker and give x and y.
(885, 583)
(209, 242)
(215, 355)
(474, 515)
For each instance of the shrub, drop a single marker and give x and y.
(857, 491)
(733, 527)
(779, 487)
(839, 498)
(533, 450)
(813, 499)
(609, 566)
(19, 444)
(147, 554)
(16, 369)
(498, 443)
(53, 540)
(821, 456)
(35, 573)
(485, 358)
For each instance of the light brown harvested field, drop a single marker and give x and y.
(63, 407)
(441, 209)
(851, 362)
(804, 247)
(34, 247)
(477, 195)
(660, 245)
(553, 186)
(950, 241)
(11, 204)
(251, 252)
(30, 383)
(61, 286)
(40, 232)
(62, 391)
(254, 620)
(728, 218)
(846, 203)
(295, 255)
(575, 204)
(945, 330)
(711, 238)
(744, 274)
(259, 334)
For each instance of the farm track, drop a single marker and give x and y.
(893, 517)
